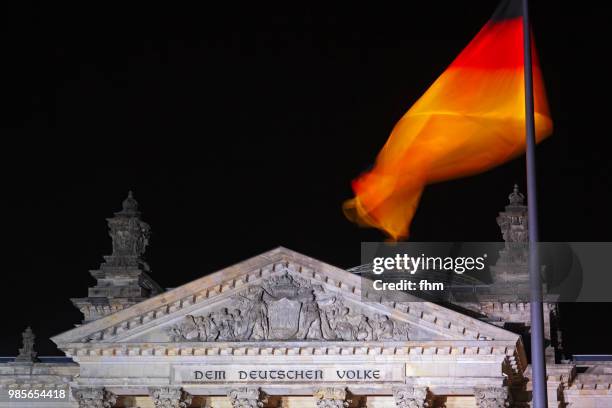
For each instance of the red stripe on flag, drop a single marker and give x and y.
(497, 46)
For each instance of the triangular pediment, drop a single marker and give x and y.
(280, 295)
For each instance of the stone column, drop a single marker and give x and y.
(170, 397)
(492, 397)
(247, 398)
(91, 397)
(411, 397)
(331, 397)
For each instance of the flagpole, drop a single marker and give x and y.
(538, 362)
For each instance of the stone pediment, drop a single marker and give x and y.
(278, 296)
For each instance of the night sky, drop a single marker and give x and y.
(240, 126)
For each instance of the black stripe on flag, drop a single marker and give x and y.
(508, 9)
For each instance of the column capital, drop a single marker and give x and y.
(411, 397)
(492, 397)
(94, 397)
(247, 397)
(331, 397)
(170, 397)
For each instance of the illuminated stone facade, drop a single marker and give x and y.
(280, 330)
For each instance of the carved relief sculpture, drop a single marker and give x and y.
(492, 397)
(247, 398)
(331, 398)
(411, 397)
(287, 308)
(170, 397)
(94, 398)
(27, 353)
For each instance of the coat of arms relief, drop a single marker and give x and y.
(286, 307)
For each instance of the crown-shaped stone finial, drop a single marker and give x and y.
(129, 206)
(516, 197)
(129, 233)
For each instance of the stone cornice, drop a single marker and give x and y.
(593, 382)
(410, 350)
(563, 374)
(604, 388)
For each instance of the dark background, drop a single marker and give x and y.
(239, 128)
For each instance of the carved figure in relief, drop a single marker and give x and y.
(240, 324)
(224, 322)
(184, 331)
(327, 304)
(343, 327)
(175, 333)
(364, 330)
(384, 328)
(257, 315)
(310, 321)
(207, 329)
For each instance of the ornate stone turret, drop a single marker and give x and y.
(508, 302)
(514, 229)
(26, 352)
(510, 274)
(122, 279)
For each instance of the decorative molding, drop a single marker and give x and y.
(332, 397)
(492, 397)
(170, 397)
(94, 397)
(514, 307)
(602, 387)
(247, 398)
(48, 383)
(299, 348)
(411, 397)
(408, 348)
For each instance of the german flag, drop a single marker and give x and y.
(471, 119)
